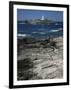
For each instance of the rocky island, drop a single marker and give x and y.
(42, 20)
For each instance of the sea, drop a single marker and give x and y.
(40, 30)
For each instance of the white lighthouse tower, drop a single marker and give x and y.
(42, 18)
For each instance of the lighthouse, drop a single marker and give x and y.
(42, 18)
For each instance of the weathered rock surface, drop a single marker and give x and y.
(42, 62)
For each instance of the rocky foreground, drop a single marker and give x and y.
(42, 59)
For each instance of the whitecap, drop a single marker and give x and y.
(42, 33)
(38, 32)
(23, 35)
(56, 30)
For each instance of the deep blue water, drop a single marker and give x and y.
(40, 30)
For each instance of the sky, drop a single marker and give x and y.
(25, 14)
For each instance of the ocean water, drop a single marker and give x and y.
(40, 30)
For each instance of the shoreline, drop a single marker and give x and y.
(40, 59)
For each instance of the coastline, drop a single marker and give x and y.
(40, 59)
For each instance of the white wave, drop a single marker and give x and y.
(56, 30)
(38, 32)
(42, 33)
(23, 35)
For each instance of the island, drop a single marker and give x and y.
(42, 20)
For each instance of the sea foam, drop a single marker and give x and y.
(23, 35)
